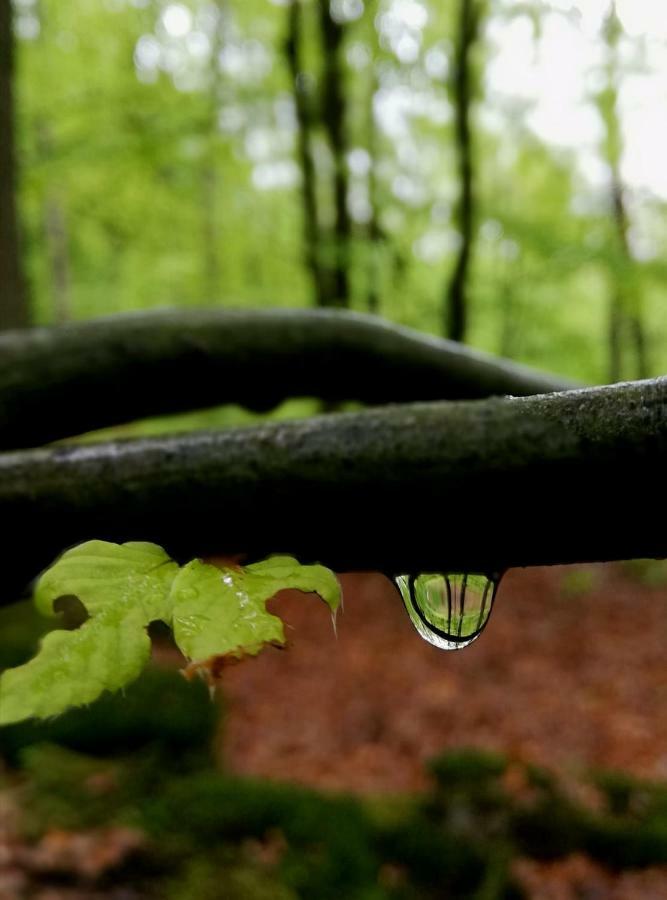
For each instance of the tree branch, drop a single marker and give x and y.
(471, 486)
(62, 381)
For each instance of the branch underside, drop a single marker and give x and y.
(469, 486)
(58, 382)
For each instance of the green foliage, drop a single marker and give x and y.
(579, 580)
(457, 839)
(127, 721)
(176, 181)
(214, 613)
(541, 820)
(651, 572)
(227, 875)
(21, 627)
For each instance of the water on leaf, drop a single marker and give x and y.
(449, 611)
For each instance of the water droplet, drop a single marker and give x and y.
(449, 611)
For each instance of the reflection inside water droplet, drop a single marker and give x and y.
(449, 611)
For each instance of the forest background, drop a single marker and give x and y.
(488, 171)
(493, 172)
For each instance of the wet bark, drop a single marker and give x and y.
(470, 486)
(62, 381)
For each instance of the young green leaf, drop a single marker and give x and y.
(123, 588)
(215, 614)
(223, 612)
(74, 667)
(279, 572)
(102, 574)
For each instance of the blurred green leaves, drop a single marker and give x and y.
(177, 180)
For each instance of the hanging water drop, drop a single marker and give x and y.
(449, 611)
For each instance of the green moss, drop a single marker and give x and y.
(213, 835)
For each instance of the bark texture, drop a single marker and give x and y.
(470, 486)
(58, 382)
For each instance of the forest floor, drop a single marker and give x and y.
(570, 675)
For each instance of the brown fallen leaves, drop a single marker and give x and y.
(81, 857)
(563, 679)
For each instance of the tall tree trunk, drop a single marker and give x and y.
(618, 295)
(209, 230)
(14, 311)
(333, 113)
(56, 238)
(303, 108)
(626, 327)
(508, 325)
(209, 174)
(55, 234)
(626, 301)
(375, 235)
(463, 92)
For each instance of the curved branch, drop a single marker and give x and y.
(56, 382)
(471, 486)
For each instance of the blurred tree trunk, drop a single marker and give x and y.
(55, 226)
(304, 118)
(626, 321)
(375, 235)
(210, 255)
(333, 114)
(462, 87)
(326, 247)
(14, 311)
(509, 305)
(55, 233)
(209, 177)
(626, 328)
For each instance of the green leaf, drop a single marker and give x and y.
(123, 588)
(279, 572)
(215, 613)
(101, 574)
(73, 668)
(222, 612)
